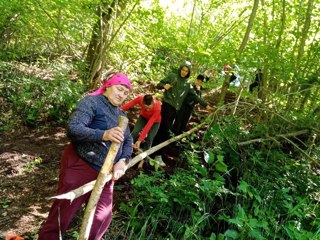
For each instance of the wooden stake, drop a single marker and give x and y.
(99, 184)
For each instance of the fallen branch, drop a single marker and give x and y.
(259, 140)
(302, 151)
(89, 186)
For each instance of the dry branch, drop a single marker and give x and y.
(302, 151)
(88, 187)
(259, 140)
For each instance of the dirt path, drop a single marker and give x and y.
(29, 167)
(29, 164)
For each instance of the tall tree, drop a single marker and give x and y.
(249, 27)
(102, 35)
(301, 40)
(304, 33)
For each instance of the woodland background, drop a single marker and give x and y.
(251, 173)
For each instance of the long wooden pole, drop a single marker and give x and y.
(73, 194)
(102, 179)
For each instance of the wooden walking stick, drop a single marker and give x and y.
(99, 184)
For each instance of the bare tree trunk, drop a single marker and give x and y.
(58, 33)
(224, 32)
(313, 57)
(263, 83)
(7, 31)
(102, 36)
(249, 27)
(282, 25)
(224, 88)
(304, 33)
(190, 25)
(273, 85)
(306, 90)
(302, 42)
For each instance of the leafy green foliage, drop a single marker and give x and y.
(180, 206)
(35, 100)
(227, 192)
(31, 165)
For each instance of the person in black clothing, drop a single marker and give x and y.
(229, 71)
(185, 112)
(257, 80)
(176, 87)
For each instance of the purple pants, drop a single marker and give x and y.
(74, 172)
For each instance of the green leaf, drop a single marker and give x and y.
(243, 186)
(213, 236)
(236, 221)
(221, 167)
(253, 223)
(231, 234)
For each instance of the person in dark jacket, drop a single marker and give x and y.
(92, 127)
(176, 88)
(257, 80)
(185, 112)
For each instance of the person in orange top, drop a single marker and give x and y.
(148, 123)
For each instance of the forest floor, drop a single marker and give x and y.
(29, 166)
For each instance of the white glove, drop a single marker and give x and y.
(119, 169)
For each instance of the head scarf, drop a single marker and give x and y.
(117, 79)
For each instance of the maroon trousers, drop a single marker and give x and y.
(74, 172)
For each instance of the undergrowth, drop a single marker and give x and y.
(37, 95)
(261, 190)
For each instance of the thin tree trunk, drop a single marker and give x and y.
(260, 140)
(224, 88)
(106, 38)
(70, 47)
(263, 82)
(304, 33)
(312, 56)
(249, 27)
(282, 25)
(191, 20)
(273, 85)
(100, 33)
(224, 32)
(102, 59)
(313, 103)
(7, 30)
